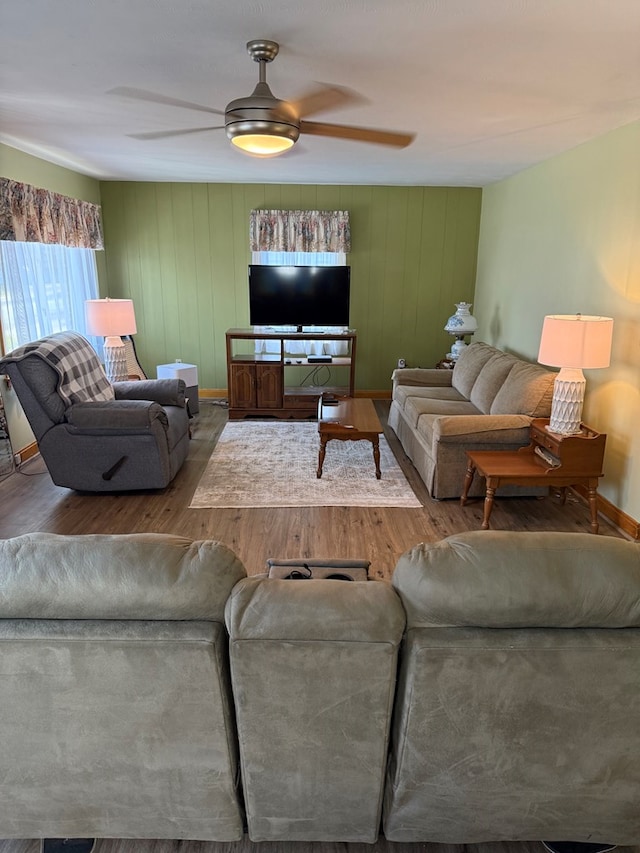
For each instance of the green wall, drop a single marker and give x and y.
(181, 251)
(23, 167)
(563, 238)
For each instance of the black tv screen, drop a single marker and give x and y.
(299, 296)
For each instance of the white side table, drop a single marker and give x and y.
(187, 372)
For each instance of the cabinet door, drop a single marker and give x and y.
(242, 390)
(269, 386)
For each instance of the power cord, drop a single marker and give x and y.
(314, 379)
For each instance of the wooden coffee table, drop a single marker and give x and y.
(348, 419)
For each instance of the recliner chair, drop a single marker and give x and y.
(94, 436)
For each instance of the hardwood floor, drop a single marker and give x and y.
(30, 502)
(108, 845)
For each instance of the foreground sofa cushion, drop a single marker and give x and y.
(115, 710)
(313, 666)
(519, 697)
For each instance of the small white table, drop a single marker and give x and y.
(187, 372)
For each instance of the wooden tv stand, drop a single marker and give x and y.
(265, 383)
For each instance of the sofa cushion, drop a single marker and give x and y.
(416, 407)
(115, 576)
(527, 390)
(443, 392)
(498, 579)
(314, 668)
(488, 432)
(490, 380)
(468, 366)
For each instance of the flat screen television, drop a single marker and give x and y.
(299, 296)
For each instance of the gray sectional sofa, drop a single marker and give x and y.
(150, 689)
(486, 402)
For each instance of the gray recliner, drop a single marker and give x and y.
(94, 436)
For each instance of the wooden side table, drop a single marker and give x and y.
(550, 460)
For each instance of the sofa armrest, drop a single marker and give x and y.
(167, 392)
(116, 415)
(482, 429)
(424, 376)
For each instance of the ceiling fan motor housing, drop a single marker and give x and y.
(261, 113)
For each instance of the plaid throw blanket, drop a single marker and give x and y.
(82, 377)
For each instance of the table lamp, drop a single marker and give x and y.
(459, 325)
(112, 318)
(573, 342)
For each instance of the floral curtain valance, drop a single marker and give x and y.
(300, 231)
(32, 215)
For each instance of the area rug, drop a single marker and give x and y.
(274, 463)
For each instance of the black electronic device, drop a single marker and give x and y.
(319, 359)
(299, 296)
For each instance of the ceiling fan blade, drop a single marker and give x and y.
(165, 134)
(358, 134)
(154, 97)
(325, 97)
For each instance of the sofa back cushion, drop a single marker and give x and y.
(155, 576)
(116, 708)
(313, 668)
(468, 366)
(501, 579)
(490, 380)
(527, 390)
(518, 677)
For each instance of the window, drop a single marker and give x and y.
(300, 259)
(43, 289)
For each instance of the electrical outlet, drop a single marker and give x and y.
(17, 458)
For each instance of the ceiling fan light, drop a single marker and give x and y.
(262, 144)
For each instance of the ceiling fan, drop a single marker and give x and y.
(265, 126)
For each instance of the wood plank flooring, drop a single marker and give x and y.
(108, 845)
(30, 502)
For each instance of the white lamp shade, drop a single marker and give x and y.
(576, 340)
(462, 322)
(110, 317)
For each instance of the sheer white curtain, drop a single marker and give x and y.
(300, 259)
(303, 259)
(43, 289)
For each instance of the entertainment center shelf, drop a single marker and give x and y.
(266, 383)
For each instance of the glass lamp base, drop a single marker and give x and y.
(458, 347)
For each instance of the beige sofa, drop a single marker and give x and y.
(513, 714)
(486, 402)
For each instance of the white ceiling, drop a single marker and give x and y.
(490, 87)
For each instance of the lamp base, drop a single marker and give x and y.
(458, 347)
(115, 359)
(566, 406)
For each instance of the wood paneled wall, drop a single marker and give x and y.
(181, 251)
